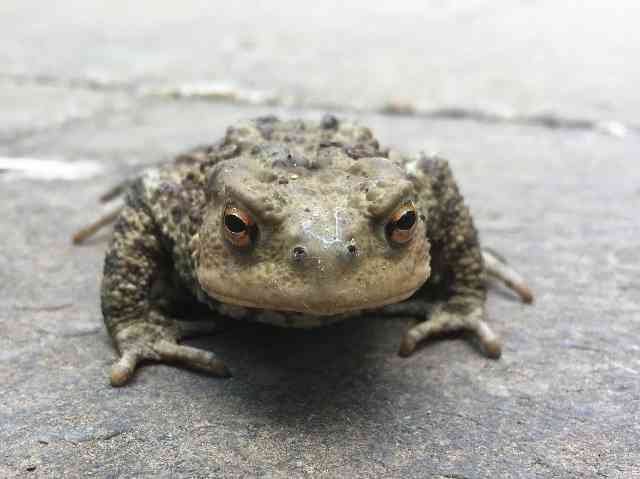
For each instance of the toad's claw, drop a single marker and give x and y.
(443, 321)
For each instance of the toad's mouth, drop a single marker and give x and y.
(315, 308)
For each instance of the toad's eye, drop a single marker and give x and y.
(402, 224)
(239, 227)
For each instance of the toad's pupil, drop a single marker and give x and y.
(234, 224)
(406, 221)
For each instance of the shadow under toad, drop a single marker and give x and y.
(349, 369)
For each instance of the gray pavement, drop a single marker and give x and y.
(104, 89)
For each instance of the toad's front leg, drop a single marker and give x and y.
(440, 318)
(458, 269)
(136, 259)
(462, 315)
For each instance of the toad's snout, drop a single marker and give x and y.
(309, 255)
(325, 259)
(327, 245)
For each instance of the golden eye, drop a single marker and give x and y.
(239, 227)
(402, 224)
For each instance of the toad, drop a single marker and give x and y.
(297, 224)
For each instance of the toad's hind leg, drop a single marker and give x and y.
(88, 231)
(497, 267)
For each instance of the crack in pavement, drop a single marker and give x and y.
(236, 95)
(96, 83)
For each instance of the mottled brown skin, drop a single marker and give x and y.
(327, 206)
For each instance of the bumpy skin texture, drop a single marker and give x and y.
(336, 227)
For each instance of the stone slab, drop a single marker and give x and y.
(337, 402)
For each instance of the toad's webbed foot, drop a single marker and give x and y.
(158, 341)
(451, 318)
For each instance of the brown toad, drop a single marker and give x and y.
(297, 224)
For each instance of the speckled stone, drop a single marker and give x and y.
(564, 399)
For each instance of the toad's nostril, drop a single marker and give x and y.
(299, 253)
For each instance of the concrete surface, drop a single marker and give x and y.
(103, 89)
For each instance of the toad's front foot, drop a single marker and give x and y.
(452, 318)
(142, 341)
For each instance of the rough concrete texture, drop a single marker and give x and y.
(562, 203)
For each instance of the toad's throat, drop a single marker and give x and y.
(327, 308)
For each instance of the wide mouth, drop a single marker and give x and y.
(325, 308)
